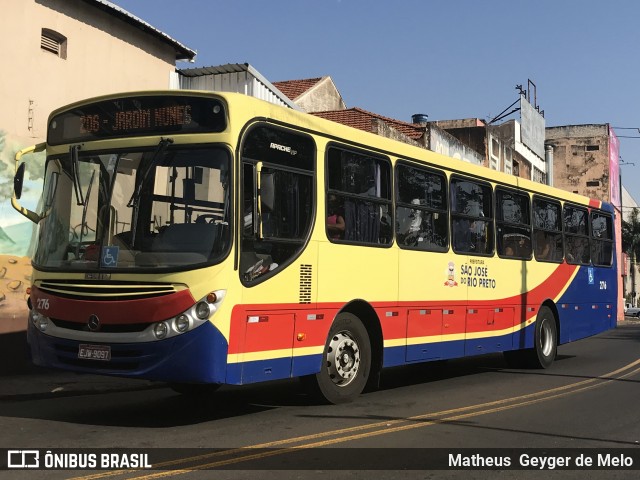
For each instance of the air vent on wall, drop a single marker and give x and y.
(53, 42)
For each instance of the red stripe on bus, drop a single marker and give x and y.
(287, 321)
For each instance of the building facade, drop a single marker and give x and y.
(586, 161)
(57, 52)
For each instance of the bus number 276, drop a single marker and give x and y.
(43, 304)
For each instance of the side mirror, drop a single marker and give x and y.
(18, 179)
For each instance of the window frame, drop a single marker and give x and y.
(567, 234)
(380, 201)
(501, 223)
(453, 216)
(245, 160)
(424, 208)
(594, 240)
(560, 232)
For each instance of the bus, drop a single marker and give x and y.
(202, 239)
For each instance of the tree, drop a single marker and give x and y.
(631, 245)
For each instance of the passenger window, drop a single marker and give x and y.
(358, 197)
(513, 224)
(471, 217)
(277, 198)
(421, 209)
(601, 239)
(576, 235)
(547, 230)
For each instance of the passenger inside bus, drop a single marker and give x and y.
(517, 245)
(335, 219)
(464, 235)
(542, 246)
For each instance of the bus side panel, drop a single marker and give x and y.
(261, 344)
(489, 330)
(581, 317)
(434, 296)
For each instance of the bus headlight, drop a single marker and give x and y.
(195, 316)
(181, 323)
(161, 329)
(202, 310)
(39, 321)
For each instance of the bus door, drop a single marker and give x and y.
(276, 216)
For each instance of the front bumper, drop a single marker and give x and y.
(198, 356)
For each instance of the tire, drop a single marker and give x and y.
(193, 389)
(346, 362)
(545, 347)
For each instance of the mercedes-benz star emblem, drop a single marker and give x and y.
(93, 323)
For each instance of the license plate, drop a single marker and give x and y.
(94, 352)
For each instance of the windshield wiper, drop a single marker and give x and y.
(84, 225)
(160, 148)
(134, 201)
(75, 171)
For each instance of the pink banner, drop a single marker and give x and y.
(614, 168)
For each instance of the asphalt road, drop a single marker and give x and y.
(413, 427)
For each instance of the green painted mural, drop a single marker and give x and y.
(16, 232)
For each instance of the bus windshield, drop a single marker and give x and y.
(160, 207)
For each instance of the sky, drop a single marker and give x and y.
(448, 59)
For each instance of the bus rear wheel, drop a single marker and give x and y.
(545, 345)
(546, 340)
(346, 361)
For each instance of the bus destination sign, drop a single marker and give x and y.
(140, 115)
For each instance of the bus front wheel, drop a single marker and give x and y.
(346, 361)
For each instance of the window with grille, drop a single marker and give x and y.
(53, 42)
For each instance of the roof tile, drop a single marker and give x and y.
(361, 119)
(294, 88)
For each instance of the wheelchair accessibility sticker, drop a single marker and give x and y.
(109, 256)
(592, 279)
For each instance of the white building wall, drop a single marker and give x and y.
(238, 82)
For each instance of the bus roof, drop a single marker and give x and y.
(257, 108)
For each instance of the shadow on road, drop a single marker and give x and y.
(96, 401)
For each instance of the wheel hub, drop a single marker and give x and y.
(546, 339)
(343, 359)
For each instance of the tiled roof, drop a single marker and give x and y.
(361, 119)
(294, 88)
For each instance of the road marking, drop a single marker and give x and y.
(377, 428)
